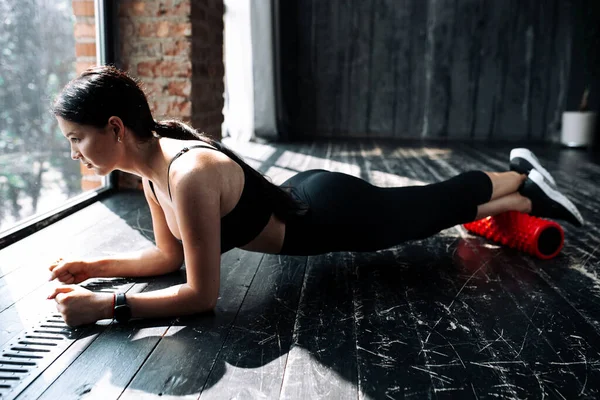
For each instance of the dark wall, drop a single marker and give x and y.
(458, 69)
(585, 57)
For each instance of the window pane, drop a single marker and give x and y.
(37, 58)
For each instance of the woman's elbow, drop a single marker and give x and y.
(207, 304)
(209, 308)
(201, 303)
(172, 263)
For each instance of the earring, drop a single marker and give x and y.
(119, 139)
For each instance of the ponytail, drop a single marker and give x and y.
(174, 129)
(284, 205)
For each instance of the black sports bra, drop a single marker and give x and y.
(247, 219)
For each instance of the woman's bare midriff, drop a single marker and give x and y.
(270, 240)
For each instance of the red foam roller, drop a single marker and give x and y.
(540, 237)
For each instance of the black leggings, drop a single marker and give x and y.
(350, 214)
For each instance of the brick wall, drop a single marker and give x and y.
(85, 53)
(207, 66)
(155, 45)
(175, 47)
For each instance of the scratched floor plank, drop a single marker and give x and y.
(564, 333)
(322, 360)
(574, 273)
(548, 304)
(253, 359)
(443, 169)
(391, 363)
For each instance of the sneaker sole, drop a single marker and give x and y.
(528, 156)
(558, 197)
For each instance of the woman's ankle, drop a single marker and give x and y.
(510, 202)
(505, 183)
(524, 204)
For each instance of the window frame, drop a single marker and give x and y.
(105, 54)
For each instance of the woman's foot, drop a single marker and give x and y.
(547, 201)
(523, 160)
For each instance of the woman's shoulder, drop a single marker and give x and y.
(201, 152)
(188, 155)
(203, 165)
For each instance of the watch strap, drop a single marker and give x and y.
(120, 299)
(121, 311)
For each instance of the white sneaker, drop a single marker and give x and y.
(523, 160)
(547, 201)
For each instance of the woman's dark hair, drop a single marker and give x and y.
(101, 92)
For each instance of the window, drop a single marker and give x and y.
(43, 45)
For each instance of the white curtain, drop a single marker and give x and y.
(249, 76)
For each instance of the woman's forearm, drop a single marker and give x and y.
(147, 262)
(173, 301)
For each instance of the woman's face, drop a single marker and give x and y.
(94, 147)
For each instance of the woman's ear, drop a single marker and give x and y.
(116, 127)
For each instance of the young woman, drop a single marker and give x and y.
(204, 200)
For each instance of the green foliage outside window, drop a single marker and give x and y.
(37, 58)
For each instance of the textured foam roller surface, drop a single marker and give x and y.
(537, 236)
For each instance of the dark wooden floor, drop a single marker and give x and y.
(450, 316)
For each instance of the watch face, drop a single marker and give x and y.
(122, 313)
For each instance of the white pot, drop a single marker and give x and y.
(578, 128)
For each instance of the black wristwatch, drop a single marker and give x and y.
(122, 312)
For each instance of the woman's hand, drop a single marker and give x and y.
(70, 272)
(79, 306)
